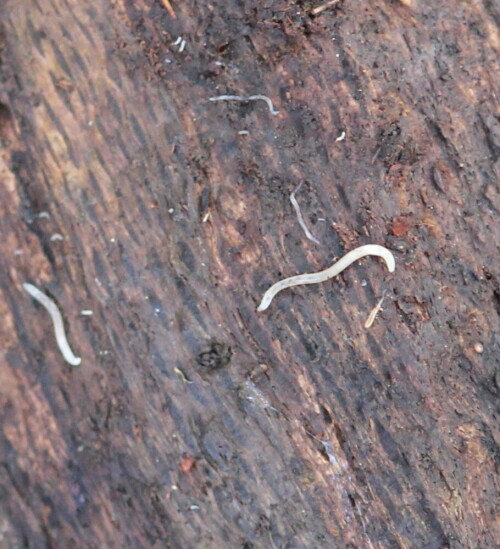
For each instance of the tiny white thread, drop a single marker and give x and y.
(272, 110)
(302, 223)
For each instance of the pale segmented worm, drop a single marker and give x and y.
(57, 320)
(334, 270)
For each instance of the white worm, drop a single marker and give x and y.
(249, 98)
(302, 223)
(57, 320)
(334, 270)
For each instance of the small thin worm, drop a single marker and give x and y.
(272, 110)
(334, 270)
(57, 320)
(302, 223)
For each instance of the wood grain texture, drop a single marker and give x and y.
(194, 421)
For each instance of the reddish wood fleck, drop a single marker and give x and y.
(187, 464)
(400, 226)
(397, 175)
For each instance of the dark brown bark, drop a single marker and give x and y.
(193, 420)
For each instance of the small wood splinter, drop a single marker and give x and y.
(57, 320)
(374, 312)
(319, 9)
(334, 270)
(169, 8)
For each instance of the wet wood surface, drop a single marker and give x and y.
(194, 421)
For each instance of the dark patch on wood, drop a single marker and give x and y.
(6, 123)
(218, 355)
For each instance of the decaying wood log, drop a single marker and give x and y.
(194, 421)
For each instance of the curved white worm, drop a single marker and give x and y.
(272, 110)
(334, 270)
(57, 320)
